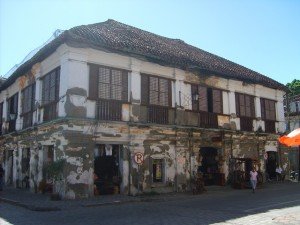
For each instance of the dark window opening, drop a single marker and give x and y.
(12, 112)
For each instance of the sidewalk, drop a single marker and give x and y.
(41, 202)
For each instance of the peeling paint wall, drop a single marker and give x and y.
(76, 131)
(75, 140)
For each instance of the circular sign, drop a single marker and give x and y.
(139, 158)
(266, 156)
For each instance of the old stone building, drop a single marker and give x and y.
(98, 94)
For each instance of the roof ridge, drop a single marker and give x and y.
(127, 39)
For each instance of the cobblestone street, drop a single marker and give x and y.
(273, 204)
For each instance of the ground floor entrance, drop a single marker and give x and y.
(107, 175)
(9, 167)
(210, 166)
(271, 164)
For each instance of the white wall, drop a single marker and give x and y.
(75, 73)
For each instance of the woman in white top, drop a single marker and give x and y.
(253, 179)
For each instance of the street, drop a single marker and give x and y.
(273, 204)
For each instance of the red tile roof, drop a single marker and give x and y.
(121, 38)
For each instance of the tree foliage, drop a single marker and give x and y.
(294, 87)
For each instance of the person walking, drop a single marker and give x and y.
(1, 177)
(253, 179)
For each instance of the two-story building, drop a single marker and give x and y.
(99, 94)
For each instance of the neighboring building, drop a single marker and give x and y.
(292, 113)
(292, 117)
(98, 94)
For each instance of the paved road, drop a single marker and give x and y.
(274, 204)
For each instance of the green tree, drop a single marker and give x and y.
(294, 87)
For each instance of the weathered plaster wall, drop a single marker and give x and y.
(178, 145)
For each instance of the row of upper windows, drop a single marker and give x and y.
(50, 88)
(112, 84)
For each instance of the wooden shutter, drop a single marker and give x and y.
(16, 97)
(33, 97)
(263, 110)
(170, 92)
(247, 106)
(46, 90)
(272, 113)
(144, 89)
(93, 82)
(203, 104)
(252, 106)
(242, 105)
(125, 86)
(217, 101)
(154, 90)
(237, 104)
(57, 84)
(195, 103)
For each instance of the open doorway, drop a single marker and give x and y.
(25, 167)
(9, 167)
(210, 166)
(271, 164)
(48, 159)
(107, 174)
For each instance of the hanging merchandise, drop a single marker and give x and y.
(108, 150)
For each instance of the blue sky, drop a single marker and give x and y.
(259, 34)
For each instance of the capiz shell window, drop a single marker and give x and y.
(206, 99)
(268, 108)
(156, 91)
(108, 83)
(50, 89)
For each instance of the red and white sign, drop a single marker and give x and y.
(139, 158)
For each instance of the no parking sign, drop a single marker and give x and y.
(139, 158)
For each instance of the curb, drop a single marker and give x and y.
(117, 202)
(29, 207)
